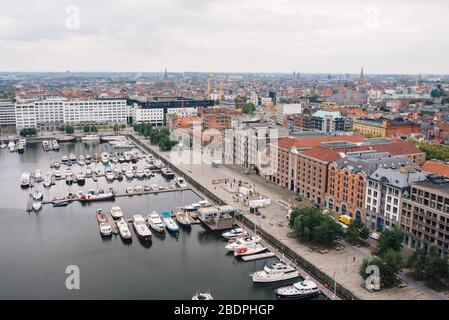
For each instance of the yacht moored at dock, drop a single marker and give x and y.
(141, 228)
(123, 230)
(275, 271)
(155, 222)
(170, 224)
(249, 249)
(90, 138)
(235, 233)
(116, 213)
(105, 229)
(25, 180)
(241, 242)
(299, 290)
(183, 218)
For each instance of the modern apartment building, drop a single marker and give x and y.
(108, 111)
(328, 122)
(25, 115)
(385, 189)
(7, 113)
(425, 214)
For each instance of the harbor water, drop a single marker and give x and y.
(36, 248)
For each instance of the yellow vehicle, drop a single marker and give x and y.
(347, 220)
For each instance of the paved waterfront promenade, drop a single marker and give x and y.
(342, 265)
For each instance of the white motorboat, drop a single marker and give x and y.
(57, 174)
(241, 242)
(89, 172)
(299, 290)
(123, 230)
(38, 176)
(138, 189)
(64, 159)
(129, 174)
(37, 205)
(56, 165)
(99, 172)
(127, 156)
(3, 145)
(46, 145)
(275, 271)
(68, 172)
(147, 173)
(80, 178)
(55, 145)
(141, 228)
(155, 222)
(180, 182)
(235, 233)
(170, 224)
(47, 181)
(105, 157)
(249, 249)
(72, 157)
(130, 190)
(90, 138)
(81, 162)
(183, 218)
(105, 229)
(140, 173)
(202, 296)
(109, 175)
(116, 212)
(204, 203)
(37, 195)
(124, 168)
(25, 180)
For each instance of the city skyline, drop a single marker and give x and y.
(232, 36)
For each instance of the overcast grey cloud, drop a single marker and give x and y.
(226, 35)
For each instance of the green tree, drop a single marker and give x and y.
(390, 239)
(69, 129)
(249, 108)
(390, 267)
(116, 128)
(312, 226)
(25, 132)
(293, 214)
(86, 128)
(93, 129)
(436, 267)
(417, 262)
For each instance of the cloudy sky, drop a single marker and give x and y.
(386, 36)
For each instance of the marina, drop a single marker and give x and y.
(70, 232)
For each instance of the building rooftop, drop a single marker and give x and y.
(322, 114)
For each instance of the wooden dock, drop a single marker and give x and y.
(112, 223)
(258, 256)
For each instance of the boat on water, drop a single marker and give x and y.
(101, 216)
(97, 197)
(3, 145)
(38, 176)
(141, 228)
(99, 172)
(140, 173)
(241, 242)
(275, 271)
(167, 173)
(46, 145)
(64, 159)
(202, 296)
(37, 205)
(249, 249)
(170, 224)
(105, 157)
(105, 229)
(127, 156)
(37, 195)
(91, 138)
(55, 145)
(89, 172)
(183, 218)
(123, 230)
(80, 178)
(72, 157)
(129, 174)
(47, 181)
(109, 175)
(60, 202)
(116, 212)
(234, 233)
(21, 148)
(25, 180)
(180, 182)
(56, 165)
(57, 174)
(130, 190)
(155, 222)
(299, 290)
(138, 189)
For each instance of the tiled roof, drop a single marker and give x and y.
(437, 167)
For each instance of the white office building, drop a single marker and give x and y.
(7, 113)
(110, 111)
(155, 116)
(50, 113)
(286, 110)
(25, 114)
